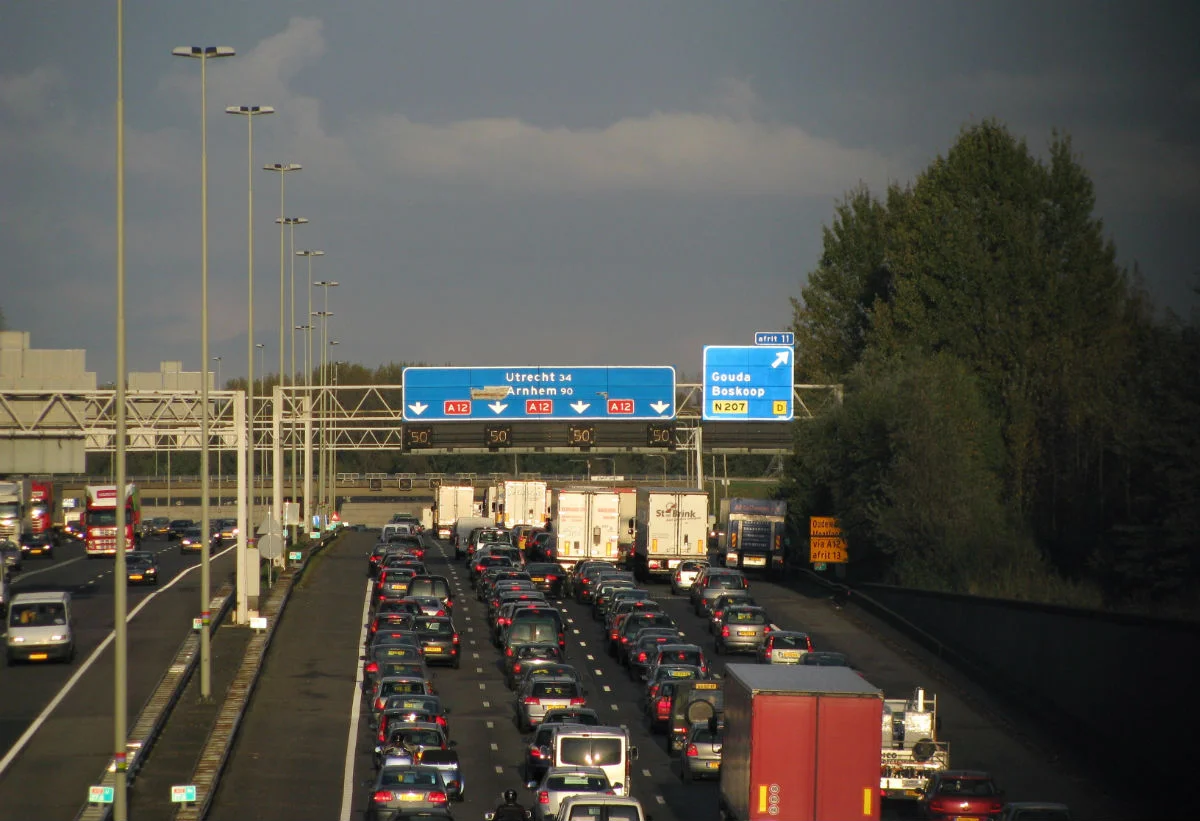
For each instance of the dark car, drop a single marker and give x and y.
(631, 625)
(547, 577)
(141, 567)
(712, 582)
(439, 586)
(645, 650)
(524, 655)
(692, 702)
(438, 640)
(177, 527)
(190, 540)
(38, 544)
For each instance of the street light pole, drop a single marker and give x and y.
(220, 468)
(292, 222)
(331, 474)
(262, 462)
(203, 54)
(249, 112)
(306, 512)
(120, 605)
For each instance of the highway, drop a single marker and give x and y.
(49, 775)
(304, 753)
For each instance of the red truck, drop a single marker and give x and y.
(801, 744)
(44, 502)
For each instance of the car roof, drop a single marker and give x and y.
(569, 770)
(46, 597)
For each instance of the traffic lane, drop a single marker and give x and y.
(50, 776)
(28, 688)
(284, 764)
(979, 731)
(498, 750)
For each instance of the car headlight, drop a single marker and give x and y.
(16, 639)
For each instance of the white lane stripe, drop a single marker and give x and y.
(23, 576)
(83, 668)
(355, 718)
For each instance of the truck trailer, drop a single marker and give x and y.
(452, 503)
(801, 743)
(670, 525)
(100, 519)
(752, 533)
(586, 523)
(15, 509)
(513, 502)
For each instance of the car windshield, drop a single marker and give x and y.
(407, 778)
(416, 737)
(437, 626)
(36, 615)
(745, 617)
(789, 642)
(429, 587)
(553, 689)
(966, 786)
(572, 717)
(726, 582)
(590, 752)
(590, 783)
(391, 688)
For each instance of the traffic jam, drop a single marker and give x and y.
(578, 760)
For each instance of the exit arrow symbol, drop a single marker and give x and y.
(580, 407)
(418, 408)
(660, 406)
(781, 358)
(498, 406)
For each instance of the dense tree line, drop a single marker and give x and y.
(1017, 419)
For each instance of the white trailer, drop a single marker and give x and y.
(513, 502)
(627, 497)
(586, 523)
(15, 495)
(671, 525)
(911, 749)
(453, 503)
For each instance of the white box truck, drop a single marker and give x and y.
(627, 502)
(513, 502)
(452, 503)
(586, 524)
(671, 525)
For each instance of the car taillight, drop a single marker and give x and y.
(552, 578)
(530, 700)
(382, 733)
(441, 720)
(508, 651)
(454, 638)
(535, 752)
(641, 657)
(517, 668)
(380, 703)
(808, 641)
(663, 708)
(624, 639)
(440, 613)
(436, 797)
(767, 629)
(725, 632)
(543, 797)
(374, 625)
(692, 752)
(382, 796)
(717, 614)
(577, 702)
(653, 690)
(373, 667)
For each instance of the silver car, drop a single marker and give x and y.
(561, 782)
(684, 576)
(405, 788)
(702, 752)
(745, 630)
(785, 647)
(542, 694)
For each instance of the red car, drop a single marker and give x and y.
(962, 795)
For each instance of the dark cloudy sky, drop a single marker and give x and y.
(519, 183)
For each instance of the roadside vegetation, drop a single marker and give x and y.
(1018, 421)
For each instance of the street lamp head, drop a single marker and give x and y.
(202, 51)
(322, 313)
(310, 253)
(260, 344)
(303, 327)
(325, 283)
(292, 221)
(282, 167)
(249, 110)
(335, 342)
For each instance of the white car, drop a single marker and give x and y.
(684, 576)
(591, 807)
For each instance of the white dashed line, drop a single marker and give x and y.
(646, 773)
(598, 671)
(660, 799)
(482, 685)
(491, 725)
(615, 707)
(500, 770)
(590, 657)
(485, 703)
(575, 630)
(494, 747)
(607, 689)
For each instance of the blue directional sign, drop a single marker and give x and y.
(774, 338)
(748, 383)
(539, 392)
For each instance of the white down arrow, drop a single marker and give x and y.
(418, 408)
(580, 407)
(498, 406)
(660, 406)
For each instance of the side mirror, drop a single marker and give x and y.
(531, 785)
(633, 753)
(618, 785)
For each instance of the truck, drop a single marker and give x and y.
(800, 743)
(627, 502)
(451, 503)
(100, 519)
(513, 502)
(752, 533)
(586, 522)
(670, 525)
(45, 506)
(15, 509)
(911, 750)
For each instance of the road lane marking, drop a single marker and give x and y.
(491, 725)
(355, 717)
(23, 575)
(494, 746)
(607, 689)
(646, 773)
(500, 770)
(660, 799)
(486, 704)
(36, 724)
(598, 671)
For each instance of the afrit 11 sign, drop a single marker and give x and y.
(825, 541)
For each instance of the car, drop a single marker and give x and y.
(635, 622)
(532, 624)
(436, 586)
(158, 527)
(785, 647)
(190, 540)
(678, 653)
(716, 612)
(177, 527)
(542, 694)
(524, 656)
(712, 582)
(702, 751)
(408, 709)
(228, 528)
(543, 547)
(745, 629)
(538, 750)
(141, 567)
(411, 737)
(692, 702)
(585, 577)
(1034, 811)
(378, 654)
(547, 577)
(446, 762)
(37, 544)
(685, 574)
(597, 807)
(668, 672)
(427, 605)
(561, 782)
(604, 593)
(826, 658)
(397, 686)
(572, 715)
(961, 795)
(11, 553)
(552, 669)
(438, 639)
(404, 788)
(647, 643)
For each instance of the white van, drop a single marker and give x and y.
(592, 807)
(40, 628)
(605, 747)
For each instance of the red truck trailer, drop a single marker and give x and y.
(801, 744)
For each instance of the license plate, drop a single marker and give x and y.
(539, 578)
(712, 765)
(433, 649)
(746, 632)
(788, 655)
(754, 561)
(412, 796)
(38, 656)
(135, 578)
